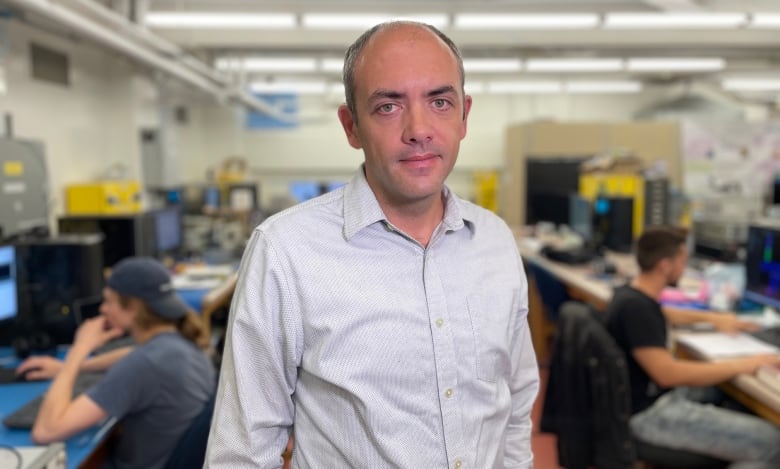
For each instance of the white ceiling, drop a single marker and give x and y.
(748, 52)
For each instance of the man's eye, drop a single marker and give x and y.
(386, 107)
(440, 103)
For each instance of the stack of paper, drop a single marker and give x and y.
(717, 345)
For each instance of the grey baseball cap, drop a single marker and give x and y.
(146, 278)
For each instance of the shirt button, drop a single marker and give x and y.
(439, 322)
(458, 464)
(448, 393)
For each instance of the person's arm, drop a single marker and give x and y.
(524, 386)
(60, 416)
(667, 371)
(254, 411)
(46, 367)
(724, 322)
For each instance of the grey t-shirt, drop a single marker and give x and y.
(155, 391)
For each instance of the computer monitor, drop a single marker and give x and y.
(124, 235)
(613, 223)
(581, 216)
(243, 197)
(168, 230)
(53, 274)
(762, 265)
(8, 302)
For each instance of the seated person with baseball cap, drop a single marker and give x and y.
(156, 390)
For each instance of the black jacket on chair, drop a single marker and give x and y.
(587, 403)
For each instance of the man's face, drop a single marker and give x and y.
(677, 267)
(411, 114)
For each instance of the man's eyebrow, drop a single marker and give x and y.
(441, 90)
(384, 93)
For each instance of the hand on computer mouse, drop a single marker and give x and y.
(38, 368)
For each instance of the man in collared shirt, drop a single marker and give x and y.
(385, 321)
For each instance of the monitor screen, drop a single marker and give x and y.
(167, 223)
(8, 300)
(242, 197)
(580, 217)
(762, 266)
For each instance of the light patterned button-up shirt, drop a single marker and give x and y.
(381, 353)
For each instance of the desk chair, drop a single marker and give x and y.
(588, 401)
(190, 451)
(552, 293)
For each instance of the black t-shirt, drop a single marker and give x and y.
(635, 320)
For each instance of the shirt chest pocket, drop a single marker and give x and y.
(492, 324)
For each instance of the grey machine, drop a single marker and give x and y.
(24, 191)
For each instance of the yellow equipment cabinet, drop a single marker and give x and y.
(104, 198)
(615, 184)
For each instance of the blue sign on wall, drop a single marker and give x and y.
(285, 104)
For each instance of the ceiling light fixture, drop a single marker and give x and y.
(765, 21)
(364, 21)
(751, 84)
(674, 20)
(161, 19)
(526, 21)
(492, 65)
(268, 64)
(332, 65)
(675, 64)
(289, 87)
(574, 65)
(617, 86)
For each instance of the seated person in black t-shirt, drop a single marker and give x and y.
(671, 397)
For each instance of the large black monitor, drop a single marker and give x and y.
(762, 265)
(53, 275)
(124, 235)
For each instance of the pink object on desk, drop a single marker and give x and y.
(677, 295)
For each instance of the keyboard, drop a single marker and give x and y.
(8, 375)
(770, 335)
(24, 416)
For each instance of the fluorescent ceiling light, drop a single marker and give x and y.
(574, 65)
(220, 20)
(603, 87)
(536, 87)
(268, 64)
(332, 65)
(492, 65)
(765, 20)
(283, 87)
(364, 21)
(674, 20)
(474, 87)
(690, 64)
(751, 84)
(526, 21)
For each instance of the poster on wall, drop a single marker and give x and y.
(730, 157)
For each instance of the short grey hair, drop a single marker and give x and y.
(354, 50)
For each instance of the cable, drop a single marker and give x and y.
(13, 451)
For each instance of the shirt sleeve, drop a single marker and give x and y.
(126, 386)
(254, 410)
(524, 387)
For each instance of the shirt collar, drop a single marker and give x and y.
(361, 208)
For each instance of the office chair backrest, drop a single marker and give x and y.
(587, 403)
(190, 451)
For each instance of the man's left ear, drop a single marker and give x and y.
(349, 125)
